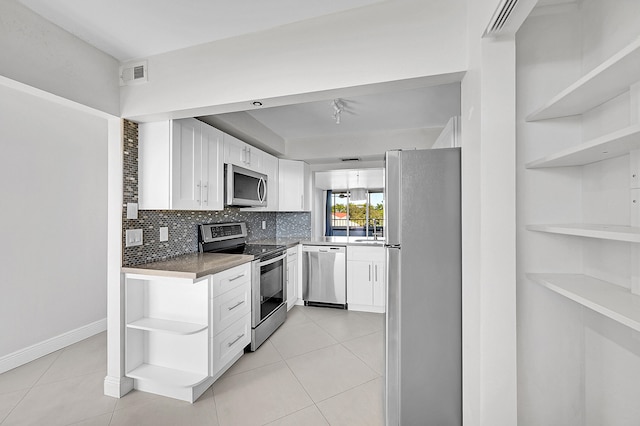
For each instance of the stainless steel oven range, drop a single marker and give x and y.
(268, 275)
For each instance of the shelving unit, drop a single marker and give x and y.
(167, 335)
(610, 300)
(608, 80)
(615, 144)
(167, 326)
(613, 77)
(603, 232)
(167, 376)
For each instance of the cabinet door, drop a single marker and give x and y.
(291, 195)
(359, 282)
(186, 165)
(212, 168)
(291, 283)
(379, 284)
(292, 276)
(235, 151)
(253, 158)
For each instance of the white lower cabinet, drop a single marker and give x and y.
(167, 336)
(228, 345)
(366, 278)
(182, 334)
(230, 317)
(292, 276)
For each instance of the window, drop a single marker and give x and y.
(355, 219)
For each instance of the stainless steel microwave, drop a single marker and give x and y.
(244, 187)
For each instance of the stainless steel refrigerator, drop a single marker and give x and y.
(424, 297)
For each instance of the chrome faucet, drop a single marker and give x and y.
(375, 231)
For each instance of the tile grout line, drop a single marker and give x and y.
(30, 388)
(305, 391)
(363, 361)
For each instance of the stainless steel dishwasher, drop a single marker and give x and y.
(324, 276)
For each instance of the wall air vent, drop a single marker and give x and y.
(133, 73)
(350, 159)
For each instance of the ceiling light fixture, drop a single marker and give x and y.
(358, 195)
(338, 107)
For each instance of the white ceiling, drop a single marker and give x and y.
(128, 29)
(349, 179)
(411, 109)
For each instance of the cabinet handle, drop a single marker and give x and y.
(376, 272)
(235, 340)
(235, 278)
(249, 155)
(236, 305)
(369, 272)
(205, 191)
(198, 186)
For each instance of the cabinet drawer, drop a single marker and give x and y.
(225, 345)
(229, 307)
(230, 279)
(370, 254)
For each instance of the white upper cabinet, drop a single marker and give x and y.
(180, 166)
(294, 179)
(242, 154)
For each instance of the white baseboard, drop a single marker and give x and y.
(53, 344)
(117, 387)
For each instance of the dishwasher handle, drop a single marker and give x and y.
(323, 249)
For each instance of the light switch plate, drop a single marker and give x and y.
(133, 237)
(132, 210)
(164, 233)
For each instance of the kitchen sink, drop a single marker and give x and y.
(369, 240)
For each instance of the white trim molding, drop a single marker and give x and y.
(51, 345)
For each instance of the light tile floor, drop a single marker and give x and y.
(321, 367)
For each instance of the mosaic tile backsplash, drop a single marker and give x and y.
(183, 233)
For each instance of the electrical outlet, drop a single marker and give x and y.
(164, 233)
(264, 224)
(132, 210)
(133, 237)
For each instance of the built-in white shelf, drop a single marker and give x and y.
(608, 80)
(167, 376)
(167, 326)
(611, 145)
(610, 300)
(603, 232)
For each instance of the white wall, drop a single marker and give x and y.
(40, 54)
(384, 42)
(488, 225)
(53, 180)
(593, 363)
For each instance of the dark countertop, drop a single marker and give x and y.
(190, 266)
(287, 241)
(344, 241)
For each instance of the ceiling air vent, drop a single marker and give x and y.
(508, 17)
(500, 17)
(133, 73)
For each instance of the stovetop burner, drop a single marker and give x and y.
(231, 238)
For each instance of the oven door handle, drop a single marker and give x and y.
(274, 260)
